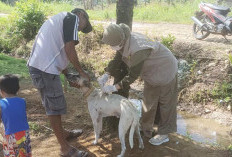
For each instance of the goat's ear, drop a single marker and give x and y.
(86, 83)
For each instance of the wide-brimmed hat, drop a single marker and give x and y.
(88, 28)
(115, 34)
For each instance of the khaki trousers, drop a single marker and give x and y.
(166, 98)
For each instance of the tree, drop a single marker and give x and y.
(88, 4)
(124, 12)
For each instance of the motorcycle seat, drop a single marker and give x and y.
(216, 7)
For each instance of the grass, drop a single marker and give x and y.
(13, 65)
(5, 8)
(222, 91)
(230, 147)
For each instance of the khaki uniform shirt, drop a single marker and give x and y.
(153, 61)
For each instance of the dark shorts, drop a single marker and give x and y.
(50, 88)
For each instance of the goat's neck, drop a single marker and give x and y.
(85, 89)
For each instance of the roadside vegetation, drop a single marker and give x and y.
(5, 8)
(155, 11)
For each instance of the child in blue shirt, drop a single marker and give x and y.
(16, 138)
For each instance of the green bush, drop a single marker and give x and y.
(168, 41)
(230, 147)
(21, 26)
(7, 44)
(222, 91)
(27, 19)
(8, 41)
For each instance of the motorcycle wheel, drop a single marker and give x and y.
(200, 32)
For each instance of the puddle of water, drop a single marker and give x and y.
(203, 130)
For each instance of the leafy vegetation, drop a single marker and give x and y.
(21, 26)
(230, 147)
(222, 92)
(5, 8)
(177, 12)
(230, 58)
(34, 127)
(168, 41)
(27, 19)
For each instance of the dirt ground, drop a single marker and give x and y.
(211, 56)
(44, 143)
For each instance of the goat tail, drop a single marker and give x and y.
(132, 130)
(126, 109)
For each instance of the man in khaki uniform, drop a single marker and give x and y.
(137, 55)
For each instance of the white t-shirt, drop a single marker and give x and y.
(48, 53)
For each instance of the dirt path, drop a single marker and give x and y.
(216, 44)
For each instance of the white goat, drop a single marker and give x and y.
(102, 105)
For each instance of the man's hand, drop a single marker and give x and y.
(73, 84)
(72, 79)
(73, 58)
(103, 79)
(109, 89)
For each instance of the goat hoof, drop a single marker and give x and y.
(94, 142)
(141, 146)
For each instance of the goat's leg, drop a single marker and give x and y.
(141, 145)
(100, 124)
(97, 123)
(98, 128)
(95, 126)
(123, 127)
(94, 117)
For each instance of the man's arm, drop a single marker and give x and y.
(73, 58)
(134, 72)
(70, 27)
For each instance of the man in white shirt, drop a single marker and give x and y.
(53, 49)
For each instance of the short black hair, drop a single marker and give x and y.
(9, 83)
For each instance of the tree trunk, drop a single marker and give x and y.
(102, 4)
(124, 12)
(92, 4)
(83, 1)
(108, 2)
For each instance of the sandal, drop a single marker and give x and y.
(74, 134)
(75, 153)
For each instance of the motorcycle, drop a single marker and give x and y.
(211, 19)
